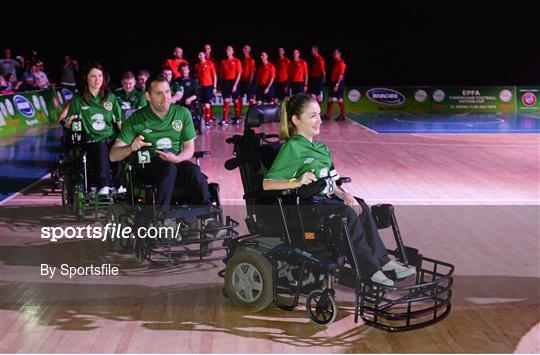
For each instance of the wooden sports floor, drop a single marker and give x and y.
(471, 200)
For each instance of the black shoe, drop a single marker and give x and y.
(223, 123)
(340, 118)
(325, 117)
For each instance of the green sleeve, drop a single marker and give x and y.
(74, 106)
(188, 130)
(118, 113)
(128, 132)
(286, 165)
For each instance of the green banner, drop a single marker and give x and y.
(527, 99)
(387, 99)
(473, 99)
(29, 109)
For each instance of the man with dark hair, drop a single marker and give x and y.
(167, 131)
(129, 97)
(142, 76)
(190, 87)
(176, 89)
(10, 65)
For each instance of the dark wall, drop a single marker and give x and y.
(478, 43)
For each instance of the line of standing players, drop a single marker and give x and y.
(262, 82)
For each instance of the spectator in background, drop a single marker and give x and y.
(69, 69)
(298, 74)
(175, 62)
(12, 85)
(176, 89)
(29, 80)
(42, 80)
(282, 75)
(142, 76)
(129, 97)
(9, 65)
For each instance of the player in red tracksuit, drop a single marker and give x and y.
(266, 74)
(336, 86)
(317, 74)
(206, 74)
(282, 75)
(175, 62)
(298, 74)
(230, 70)
(247, 81)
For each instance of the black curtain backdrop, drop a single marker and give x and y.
(383, 42)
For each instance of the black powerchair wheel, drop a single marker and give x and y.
(321, 307)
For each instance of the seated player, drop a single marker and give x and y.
(168, 132)
(301, 161)
(101, 117)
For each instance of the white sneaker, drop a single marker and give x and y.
(105, 190)
(121, 190)
(400, 270)
(380, 278)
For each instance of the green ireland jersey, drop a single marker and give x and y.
(98, 116)
(298, 156)
(167, 133)
(130, 100)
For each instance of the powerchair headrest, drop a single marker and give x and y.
(258, 115)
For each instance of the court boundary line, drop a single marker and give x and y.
(9, 198)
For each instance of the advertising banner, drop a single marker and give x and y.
(527, 99)
(486, 99)
(24, 110)
(387, 99)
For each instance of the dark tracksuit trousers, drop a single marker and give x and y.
(191, 184)
(368, 247)
(105, 173)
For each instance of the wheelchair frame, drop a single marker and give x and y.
(399, 308)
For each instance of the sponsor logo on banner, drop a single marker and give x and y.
(439, 95)
(177, 125)
(2, 120)
(3, 109)
(420, 95)
(529, 99)
(67, 94)
(385, 96)
(9, 107)
(23, 105)
(35, 100)
(505, 95)
(32, 122)
(164, 143)
(44, 105)
(354, 95)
